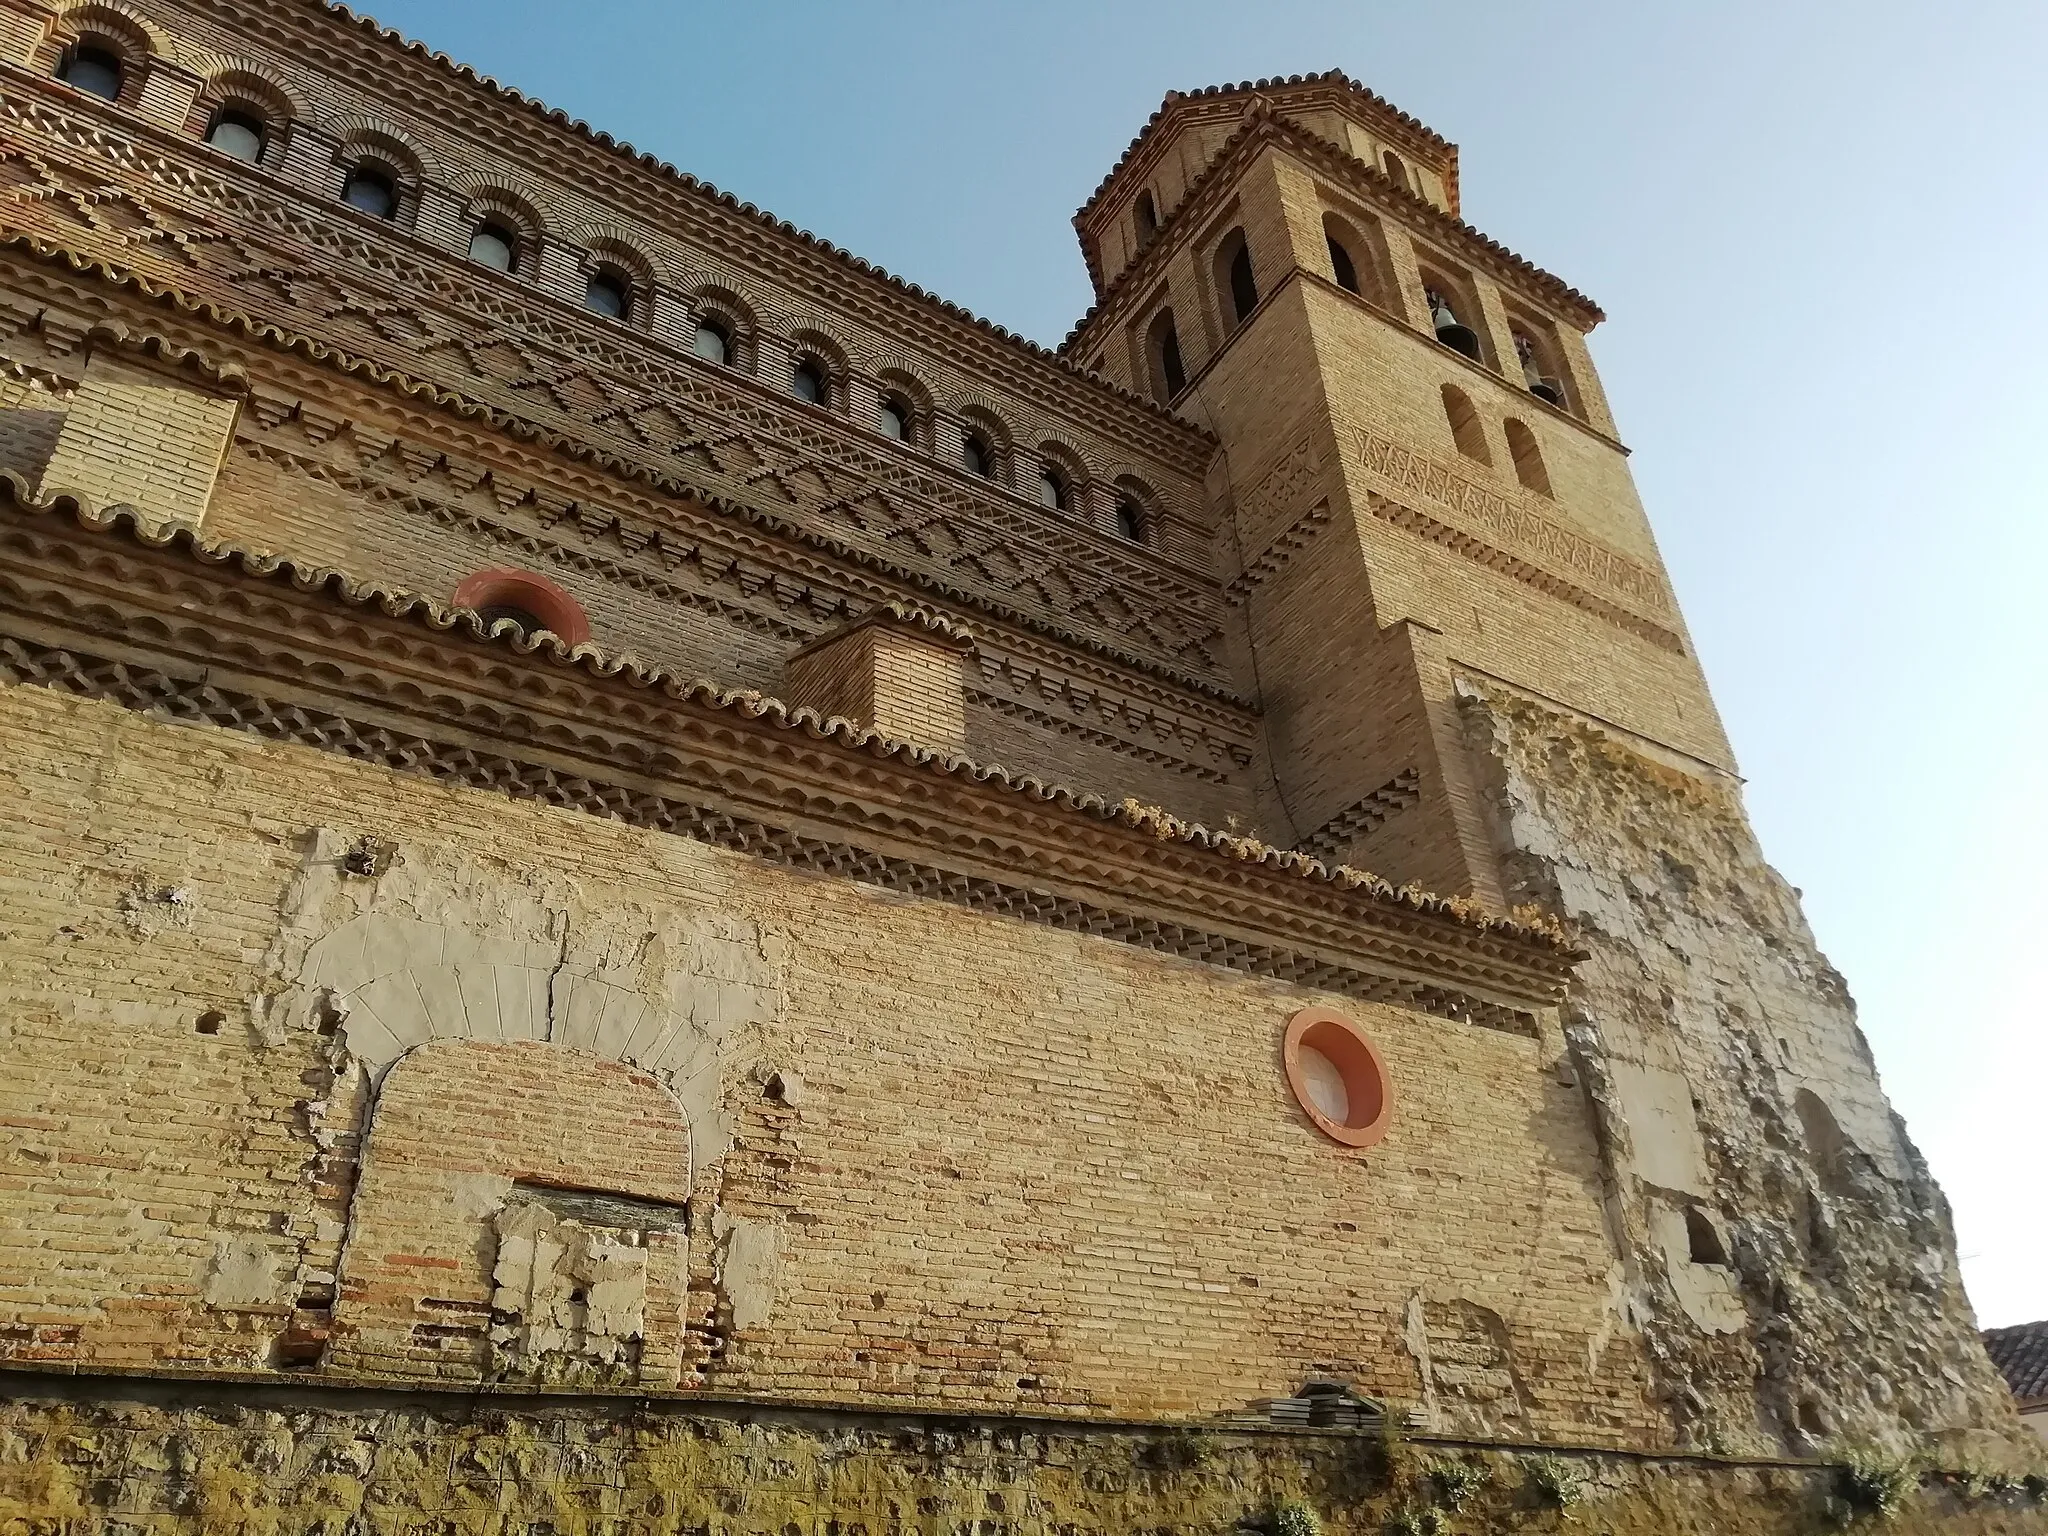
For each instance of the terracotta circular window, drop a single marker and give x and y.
(533, 602)
(1338, 1076)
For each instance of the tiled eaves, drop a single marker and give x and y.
(1334, 77)
(1260, 127)
(760, 218)
(2021, 1355)
(231, 376)
(1538, 945)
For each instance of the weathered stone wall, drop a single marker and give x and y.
(81, 1458)
(1783, 1249)
(935, 1156)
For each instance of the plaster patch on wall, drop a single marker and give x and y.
(749, 1266)
(438, 945)
(243, 1272)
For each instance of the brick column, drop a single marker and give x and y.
(23, 25)
(168, 93)
(441, 219)
(897, 669)
(144, 439)
(560, 269)
(671, 322)
(309, 160)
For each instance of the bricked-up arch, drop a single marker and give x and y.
(520, 1214)
(509, 593)
(1466, 429)
(1528, 457)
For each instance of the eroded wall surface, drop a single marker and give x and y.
(1784, 1251)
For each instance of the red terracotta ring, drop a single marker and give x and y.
(1338, 1077)
(510, 588)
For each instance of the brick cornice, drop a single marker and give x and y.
(438, 399)
(487, 112)
(217, 634)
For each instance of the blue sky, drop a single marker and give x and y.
(1819, 231)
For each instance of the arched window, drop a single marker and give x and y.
(93, 68)
(495, 244)
(714, 341)
(1397, 173)
(1131, 522)
(1234, 277)
(239, 132)
(1145, 216)
(371, 189)
(1465, 428)
(1341, 265)
(1528, 457)
(1055, 492)
(807, 381)
(893, 417)
(977, 455)
(1162, 350)
(608, 292)
(531, 601)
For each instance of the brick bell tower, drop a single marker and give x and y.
(1474, 677)
(1421, 475)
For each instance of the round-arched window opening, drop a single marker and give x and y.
(714, 342)
(372, 191)
(976, 457)
(1054, 493)
(92, 68)
(532, 602)
(235, 131)
(807, 382)
(1337, 1077)
(608, 294)
(1130, 519)
(494, 245)
(892, 418)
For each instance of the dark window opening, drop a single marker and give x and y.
(1341, 265)
(1146, 217)
(92, 69)
(1130, 519)
(1244, 288)
(608, 294)
(529, 622)
(893, 417)
(1701, 1238)
(491, 244)
(238, 133)
(807, 382)
(370, 190)
(1053, 491)
(714, 342)
(976, 457)
(1396, 171)
(1169, 375)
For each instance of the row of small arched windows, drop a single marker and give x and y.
(244, 130)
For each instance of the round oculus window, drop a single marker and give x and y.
(1337, 1077)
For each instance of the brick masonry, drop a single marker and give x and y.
(329, 1069)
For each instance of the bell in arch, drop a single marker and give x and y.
(1449, 330)
(1540, 385)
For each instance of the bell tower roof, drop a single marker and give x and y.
(1191, 127)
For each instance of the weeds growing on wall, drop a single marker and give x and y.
(1556, 1481)
(1454, 1479)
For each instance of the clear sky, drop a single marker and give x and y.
(1819, 229)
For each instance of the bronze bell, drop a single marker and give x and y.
(1547, 389)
